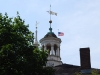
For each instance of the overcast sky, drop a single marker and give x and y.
(78, 19)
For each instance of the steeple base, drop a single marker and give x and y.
(53, 63)
(53, 60)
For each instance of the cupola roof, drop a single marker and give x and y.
(50, 34)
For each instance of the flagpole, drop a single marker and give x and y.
(58, 30)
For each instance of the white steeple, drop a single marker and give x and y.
(36, 40)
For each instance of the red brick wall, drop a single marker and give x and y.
(85, 58)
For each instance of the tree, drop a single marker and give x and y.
(17, 54)
(93, 72)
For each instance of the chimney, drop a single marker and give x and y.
(85, 60)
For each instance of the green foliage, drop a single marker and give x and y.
(94, 72)
(77, 73)
(17, 54)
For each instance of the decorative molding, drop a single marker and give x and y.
(51, 38)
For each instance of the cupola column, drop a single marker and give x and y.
(52, 50)
(44, 47)
(57, 51)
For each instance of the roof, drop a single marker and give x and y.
(68, 66)
(50, 34)
(68, 69)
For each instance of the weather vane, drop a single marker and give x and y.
(51, 13)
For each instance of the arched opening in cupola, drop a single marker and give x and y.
(48, 47)
(55, 49)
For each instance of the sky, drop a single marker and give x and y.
(78, 19)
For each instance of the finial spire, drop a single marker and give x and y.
(36, 41)
(50, 16)
(51, 13)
